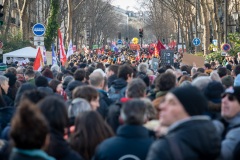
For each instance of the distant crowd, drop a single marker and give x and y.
(117, 107)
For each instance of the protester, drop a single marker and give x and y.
(118, 87)
(55, 112)
(90, 130)
(111, 73)
(30, 133)
(97, 80)
(230, 111)
(29, 76)
(132, 140)
(88, 93)
(190, 134)
(135, 89)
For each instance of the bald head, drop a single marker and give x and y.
(96, 79)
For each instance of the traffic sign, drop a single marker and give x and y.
(226, 47)
(196, 41)
(38, 38)
(224, 54)
(38, 43)
(38, 29)
(119, 41)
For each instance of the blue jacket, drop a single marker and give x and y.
(130, 142)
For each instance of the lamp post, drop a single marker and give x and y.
(235, 17)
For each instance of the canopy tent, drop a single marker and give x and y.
(27, 52)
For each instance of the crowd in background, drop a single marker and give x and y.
(117, 107)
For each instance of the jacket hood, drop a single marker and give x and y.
(119, 83)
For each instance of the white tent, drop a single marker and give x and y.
(27, 52)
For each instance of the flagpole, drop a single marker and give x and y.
(58, 54)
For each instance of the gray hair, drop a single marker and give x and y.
(77, 106)
(96, 78)
(201, 82)
(3, 79)
(143, 67)
(55, 68)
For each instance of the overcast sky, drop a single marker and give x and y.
(125, 3)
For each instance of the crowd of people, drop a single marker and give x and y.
(118, 108)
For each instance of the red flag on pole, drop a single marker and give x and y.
(160, 46)
(38, 63)
(63, 56)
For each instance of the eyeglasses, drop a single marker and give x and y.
(230, 96)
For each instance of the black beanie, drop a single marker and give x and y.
(192, 100)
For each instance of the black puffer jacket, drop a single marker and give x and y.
(191, 140)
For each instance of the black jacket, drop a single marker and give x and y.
(191, 140)
(111, 79)
(104, 102)
(117, 89)
(59, 148)
(130, 141)
(6, 114)
(119, 83)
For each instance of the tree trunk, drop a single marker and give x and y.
(23, 17)
(206, 33)
(70, 21)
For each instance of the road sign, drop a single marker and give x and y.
(215, 41)
(38, 43)
(226, 47)
(37, 38)
(119, 41)
(196, 41)
(38, 29)
(223, 53)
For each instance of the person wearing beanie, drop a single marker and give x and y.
(191, 135)
(230, 111)
(213, 93)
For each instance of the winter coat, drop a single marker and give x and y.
(6, 114)
(192, 139)
(104, 102)
(60, 149)
(131, 141)
(117, 89)
(111, 79)
(114, 113)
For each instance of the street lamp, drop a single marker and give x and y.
(235, 17)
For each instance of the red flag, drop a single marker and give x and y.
(63, 56)
(156, 51)
(160, 46)
(38, 63)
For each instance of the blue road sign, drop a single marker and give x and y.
(196, 41)
(119, 41)
(38, 29)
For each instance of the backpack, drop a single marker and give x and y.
(116, 94)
